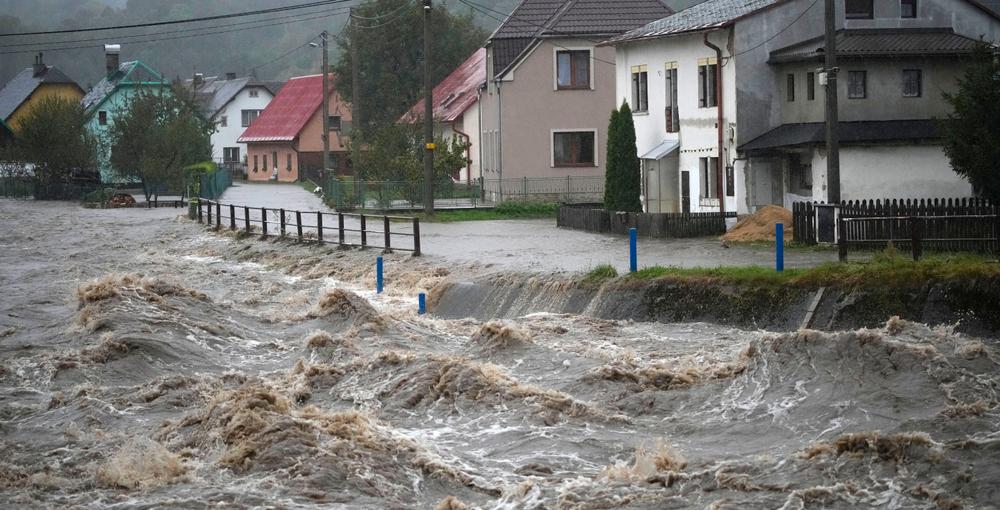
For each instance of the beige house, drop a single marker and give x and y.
(550, 88)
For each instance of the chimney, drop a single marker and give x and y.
(198, 79)
(111, 53)
(230, 76)
(39, 67)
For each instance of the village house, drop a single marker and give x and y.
(285, 143)
(105, 100)
(551, 88)
(456, 110)
(232, 104)
(30, 87)
(896, 58)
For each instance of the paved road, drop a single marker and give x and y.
(537, 245)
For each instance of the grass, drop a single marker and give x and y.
(503, 211)
(885, 270)
(600, 274)
(308, 185)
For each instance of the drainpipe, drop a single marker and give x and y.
(468, 152)
(718, 102)
(499, 147)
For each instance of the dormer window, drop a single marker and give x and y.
(859, 9)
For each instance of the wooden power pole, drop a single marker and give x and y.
(326, 103)
(832, 135)
(355, 75)
(428, 116)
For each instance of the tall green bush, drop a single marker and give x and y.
(623, 174)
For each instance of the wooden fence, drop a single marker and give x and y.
(593, 219)
(347, 229)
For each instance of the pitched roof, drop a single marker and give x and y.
(214, 94)
(535, 19)
(704, 16)
(456, 93)
(875, 43)
(132, 72)
(288, 112)
(812, 133)
(17, 90)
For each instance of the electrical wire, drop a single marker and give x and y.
(283, 55)
(380, 16)
(398, 14)
(779, 32)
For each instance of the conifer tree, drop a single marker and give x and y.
(611, 164)
(622, 175)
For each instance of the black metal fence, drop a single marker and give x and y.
(663, 225)
(360, 230)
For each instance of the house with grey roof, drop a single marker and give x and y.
(550, 89)
(762, 140)
(31, 86)
(232, 104)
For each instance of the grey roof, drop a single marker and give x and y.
(600, 19)
(876, 43)
(704, 16)
(132, 72)
(872, 131)
(992, 6)
(214, 94)
(17, 90)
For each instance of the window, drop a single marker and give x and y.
(223, 121)
(274, 157)
(912, 83)
(334, 122)
(334, 161)
(857, 84)
(248, 116)
(640, 92)
(573, 69)
(102, 118)
(707, 86)
(254, 163)
(790, 88)
(810, 86)
(730, 181)
(265, 163)
(230, 154)
(858, 9)
(253, 92)
(907, 8)
(709, 177)
(289, 161)
(671, 113)
(573, 148)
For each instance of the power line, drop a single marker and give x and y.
(180, 21)
(283, 55)
(779, 32)
(380, 16)
(397, 15)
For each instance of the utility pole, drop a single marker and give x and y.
(326, 103)
(356, 99)
(832, 135)
(428, 116)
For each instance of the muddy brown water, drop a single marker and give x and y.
(147, 363)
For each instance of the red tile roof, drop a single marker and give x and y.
(288, 112)
(456, 93)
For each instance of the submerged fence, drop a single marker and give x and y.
(567, 189)
(360, 230)
(398, 195)
(594, 219)
(215, 183)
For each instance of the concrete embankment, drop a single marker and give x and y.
(971, 304)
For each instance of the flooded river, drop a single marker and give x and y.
(147, 363)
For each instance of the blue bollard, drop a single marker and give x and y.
(378, 275)
(779, 247)
(633, 258)
(422, 303)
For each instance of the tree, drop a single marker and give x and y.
(53, 136)
(391, 56)
(972, 129)
(623, 174)
(155, 136)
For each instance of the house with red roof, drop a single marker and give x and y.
(285, 143)
(456, 109)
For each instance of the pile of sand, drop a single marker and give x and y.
(760, 225)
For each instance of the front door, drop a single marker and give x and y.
(685, 191)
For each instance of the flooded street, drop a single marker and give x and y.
(146, 362)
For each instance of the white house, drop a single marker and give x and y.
(232, 104)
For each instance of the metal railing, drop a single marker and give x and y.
(351, 229)
(398, 195)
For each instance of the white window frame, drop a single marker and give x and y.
(552, 146)
(555, 65)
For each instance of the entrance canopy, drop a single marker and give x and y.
(665, 147)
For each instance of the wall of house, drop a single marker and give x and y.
(225, 136)
(469, 124)
(893, 171)
(520, 115)
(965, 18)
(259, 172)
(66, 91)
(113, 104)
(698, 132)
(311, 136)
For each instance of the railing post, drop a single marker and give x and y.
(200, 218)
(218, 216)
(263, 221)
(416, 237)
(364, 232)
(298, 224)
(378, 275)
(208, 205)
(232, 217)
(340, 228)
(842, 239)
(282, 220)
(246, 218)
(916, 227)
(779, 247)
(633, 259)
(388, 236)
(319, 226)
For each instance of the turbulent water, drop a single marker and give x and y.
(145, 362)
